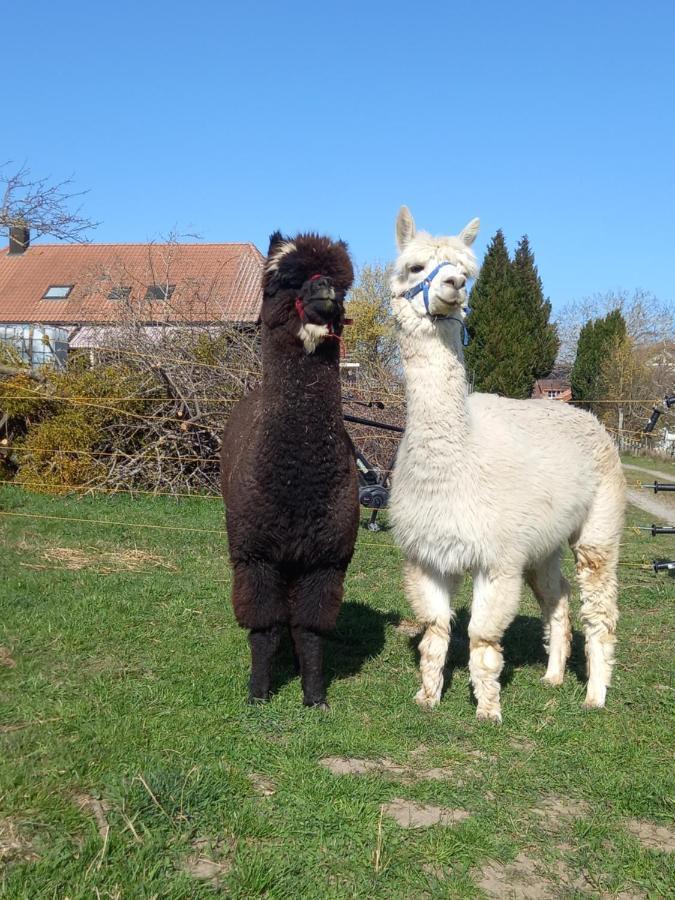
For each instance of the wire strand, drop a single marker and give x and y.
(221, 531)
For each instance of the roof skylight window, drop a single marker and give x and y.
(119, 293)
(159, 291)
(57, 291)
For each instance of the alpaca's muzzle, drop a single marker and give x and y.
(318, 299)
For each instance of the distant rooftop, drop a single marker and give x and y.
(90, 283)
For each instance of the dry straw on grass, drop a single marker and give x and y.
(106, 562)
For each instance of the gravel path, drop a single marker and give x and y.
(663, 509)
(651, 505)
(660, 476)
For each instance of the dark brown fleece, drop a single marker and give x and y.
(287, 466)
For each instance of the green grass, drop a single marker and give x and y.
(130, 687)
(666, 466)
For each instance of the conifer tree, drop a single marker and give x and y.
(512, 340)
(597, 340)
(540, 338)
(490, 323)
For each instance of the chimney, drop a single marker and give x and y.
(19, 238)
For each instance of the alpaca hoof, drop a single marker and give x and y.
(593, 703)
(424, 700)
(317, 704)
(595, 697)
(552, 680)
(256, 701)
(489, 715)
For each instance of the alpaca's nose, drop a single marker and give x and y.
(457, 281)
(322, 289)
(320, 282)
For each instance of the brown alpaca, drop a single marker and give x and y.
(287, 466)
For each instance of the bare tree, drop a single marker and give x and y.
(370, 338)
(649, 321)
(630, 384)
(42, 206)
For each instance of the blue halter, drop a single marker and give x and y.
(423, 287)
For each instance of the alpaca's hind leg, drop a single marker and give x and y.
(494, 606)
(315, 603)
(596, 571)
(552, 590)
(430, 596)
(259, 597)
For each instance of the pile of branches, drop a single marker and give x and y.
(193, 378)
(146, 411)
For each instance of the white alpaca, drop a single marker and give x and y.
(494, 487)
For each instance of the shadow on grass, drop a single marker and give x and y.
(359, 635)
(523, 645)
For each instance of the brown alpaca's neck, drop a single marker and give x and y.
(303, 385)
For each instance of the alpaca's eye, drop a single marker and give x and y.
(416, 269)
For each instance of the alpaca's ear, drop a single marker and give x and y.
(469, 232)
(405, 227)
(275, 239)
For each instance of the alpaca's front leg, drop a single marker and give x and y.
(264, 643)
(430, 595)
(259, 597)
(495, 603)
(315, 603)
(309, 647)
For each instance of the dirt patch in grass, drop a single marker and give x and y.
(415, 815)
(652, 836)
(349, 765)
(6, 658)
(556, 812)
(527, 879)
(105, 562)
(420, 750)
(97, 809)
(210, 861)
(522, 745)
(262, 785)
(441, 873)
(15, 846)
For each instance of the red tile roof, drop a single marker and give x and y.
(213, 282)
(561, 387)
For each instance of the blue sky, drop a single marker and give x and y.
(231, 120)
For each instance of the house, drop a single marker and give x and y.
(552, 389)
(57, 296)
(661, 355)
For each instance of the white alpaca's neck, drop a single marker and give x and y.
(436, 390)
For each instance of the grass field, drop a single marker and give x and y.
(131, 766)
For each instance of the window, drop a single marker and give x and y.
(37, 345)
(119, 293)
(553, 394)
(159, 291)
(57, 291)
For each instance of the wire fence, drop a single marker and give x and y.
(178, 430)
